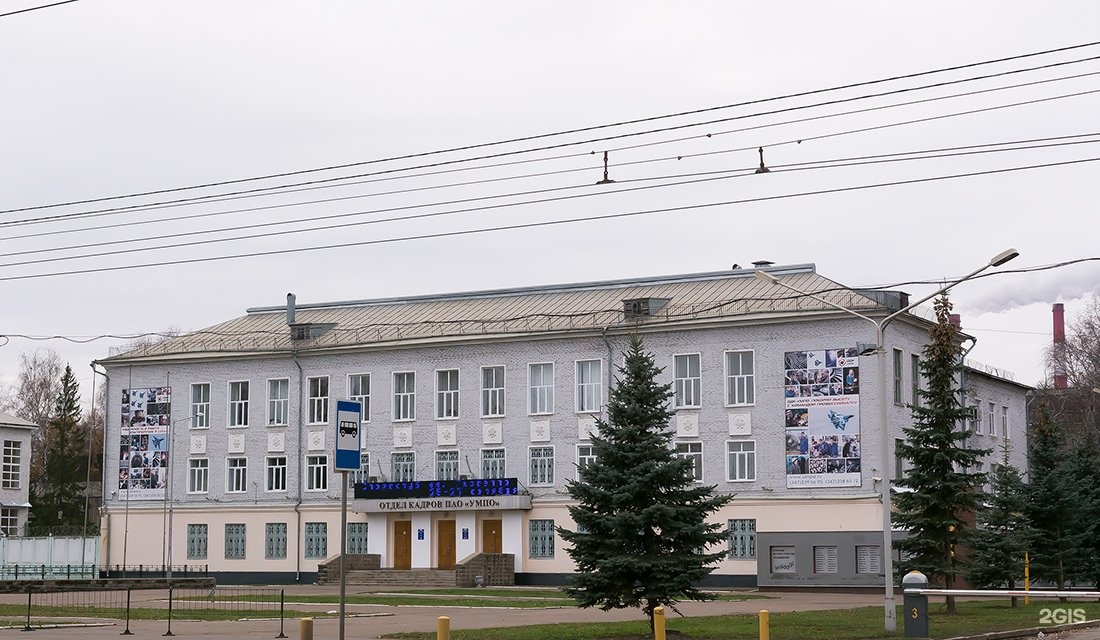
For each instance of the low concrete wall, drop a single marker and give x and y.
(103, 584)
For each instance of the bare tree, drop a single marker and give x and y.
(1076, 408)
(37, 387)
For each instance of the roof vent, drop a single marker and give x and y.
(308, 330)
(762, 263)
(643, 307)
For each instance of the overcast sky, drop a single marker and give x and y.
(108, 97)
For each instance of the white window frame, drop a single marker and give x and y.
(493, 398)
(236, 476)
(447, 401)
(748, 379)
(364, 470)
(991, 426)
(694, 452)
(500, 463)
(319, 402)
(585, 458)
(13, 464)
(275, 472)
(407, 462)
(200, 411)
(363, 397)
(546, 476)
(899, 399)
(976, 418)
(237, 408)
(317, 472)
(447, 469)
(1004, 423)
(539, 394)
(746, 456)
(404, 401)
(196, 472)
(914, 370)
(278, 406)
(687, 388)
(583, 391)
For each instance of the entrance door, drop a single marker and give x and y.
(402, 544)
(490, 536)
(446, 534)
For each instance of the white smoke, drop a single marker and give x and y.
(1004, 293)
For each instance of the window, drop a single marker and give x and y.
(196, 541)
(238, 404)
(991, 427)
(688, 380)
(586, 455)
(9, 478)
(276, 473)
(234, 541)
(540, 539)
(899, 460)
(742, 460)
(692, 451)
(200, 406)
(316, 539)
(318, 400)
(446, 465)
(492, 463)
(404, 396)
(589, 387)
(742, 539)
(540, 381)
(236, 475)
(316, 473)
(740, 381)
(275, 540)
(976, 415)
(359, 391)
(404, 466)
(362, 474)
(916, 380)
(1004, 422)
(446, 393)
(198, 474)
(278, 402)
(492, 392)
(897, 377)
(542, 465)
(9, 521)
(357, 538)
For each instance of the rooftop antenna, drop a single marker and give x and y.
(763, 168)
(606, 180)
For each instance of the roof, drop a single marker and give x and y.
(693, 299)
(8, 420)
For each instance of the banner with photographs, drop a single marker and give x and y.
(143, 457)
(821, 390)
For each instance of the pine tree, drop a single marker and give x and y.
(999, 544)
(1052, 505)
(1082, 468)
(941, 489)
(59, 501)
(642, 537)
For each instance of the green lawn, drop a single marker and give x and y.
(841, 624)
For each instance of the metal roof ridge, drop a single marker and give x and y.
(808, 267)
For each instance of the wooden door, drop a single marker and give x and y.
(402, 544)
(446, 533)
(490, 536)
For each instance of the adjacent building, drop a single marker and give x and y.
(221, 440)
(15, 474)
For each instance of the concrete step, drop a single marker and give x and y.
(403, 577)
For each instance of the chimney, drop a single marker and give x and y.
(290, 298)
(1060, 379)
(955, 320)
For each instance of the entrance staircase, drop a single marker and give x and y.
(495, 569)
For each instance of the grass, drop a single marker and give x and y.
(839, 624)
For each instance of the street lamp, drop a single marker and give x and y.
(880, 351)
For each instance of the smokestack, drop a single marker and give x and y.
(290, 298)
(1060, 379)
(955, 320)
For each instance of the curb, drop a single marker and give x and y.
(1031, 631)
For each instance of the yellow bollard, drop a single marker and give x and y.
(305, 628)
(443, 628)
(658, 623)
(765, 632)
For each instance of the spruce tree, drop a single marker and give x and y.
(1000, 542)
(59, 502)
(941, 488)
(1082, 467)
(642, 537)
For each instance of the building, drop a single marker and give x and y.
(226, 434)
(15, 474)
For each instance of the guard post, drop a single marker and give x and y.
(915, 605)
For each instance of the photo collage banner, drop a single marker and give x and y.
(143, 457)
(821, 391)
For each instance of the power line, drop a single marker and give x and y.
(715, 175)
(549, 223)
(601, 127)
(44, 6)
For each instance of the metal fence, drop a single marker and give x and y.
(87, 571)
